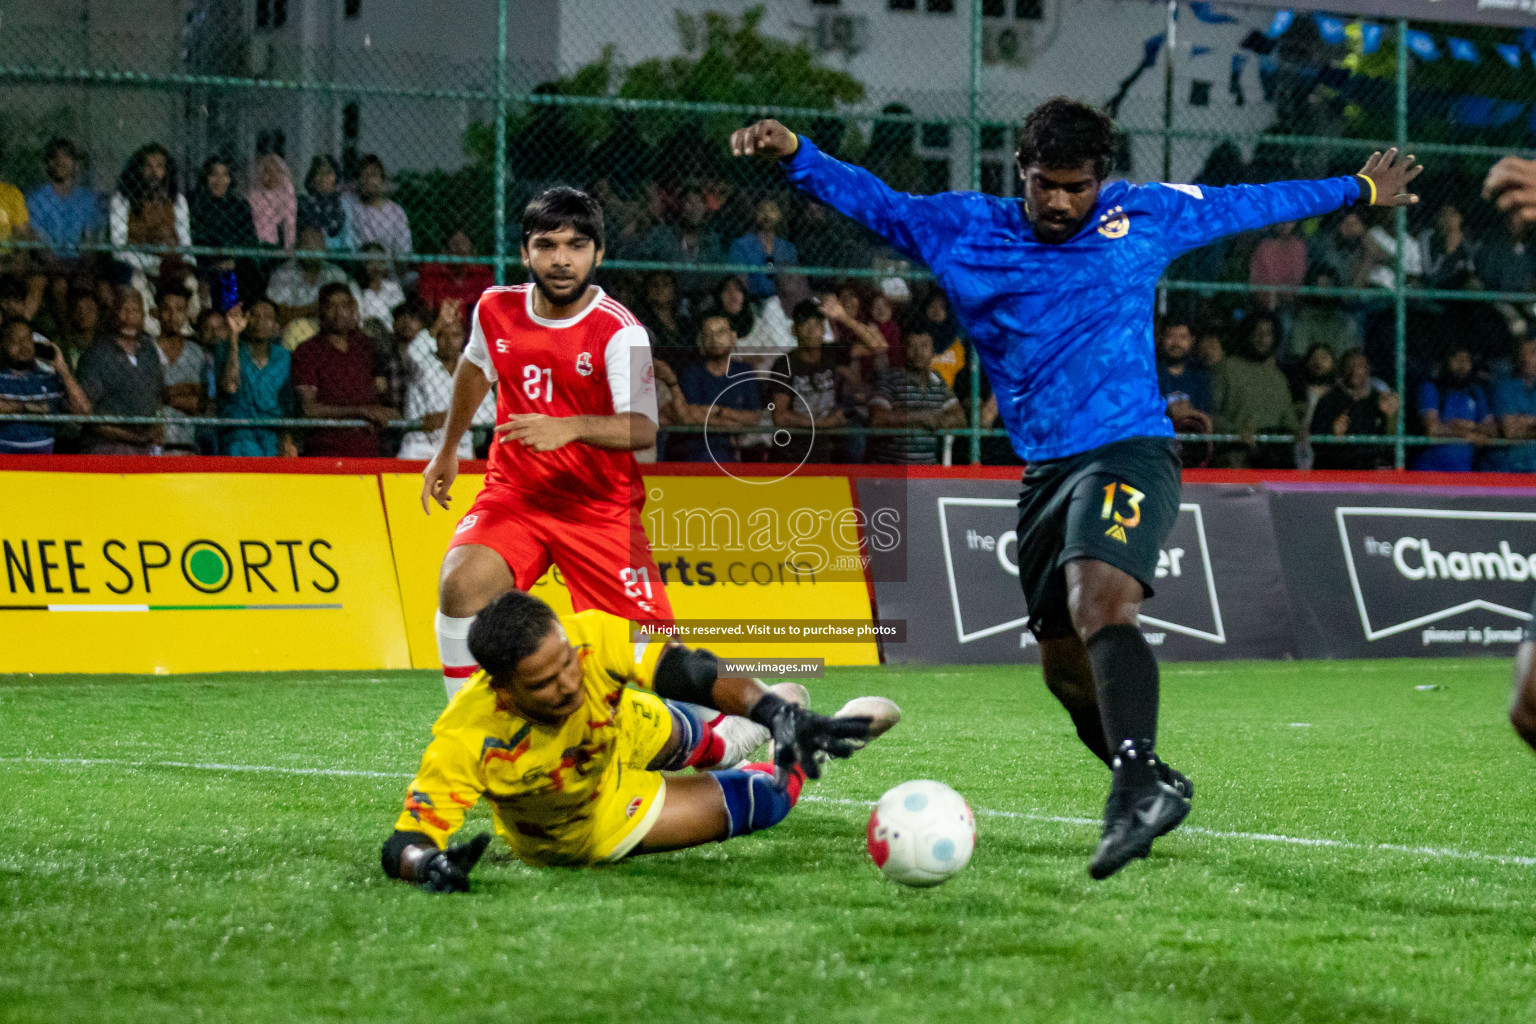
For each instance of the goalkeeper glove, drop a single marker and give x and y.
(799, 735)
(448, 870)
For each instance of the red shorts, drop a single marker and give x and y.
(605, 559)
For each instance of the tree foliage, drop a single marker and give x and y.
(725, 60)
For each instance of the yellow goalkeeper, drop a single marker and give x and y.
(567, 729)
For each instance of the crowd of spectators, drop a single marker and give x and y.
(1255, 390)
(308, 314)
(1277, 362)
(774, 386)
(313, 317)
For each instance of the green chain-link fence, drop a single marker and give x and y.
(473, 106)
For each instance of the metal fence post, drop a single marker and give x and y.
(501, 141)
(975, 183)
(1399, 297)
(1170, 43)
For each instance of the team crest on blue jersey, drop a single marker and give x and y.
(584, 364)
(1114, 223)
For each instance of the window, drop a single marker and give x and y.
(902, 5)
(271, 13)
(994, 8)
(1029, 10)
(992, 181)
(936, 136)
(352, 8)
(940, 6)
(936, 175)
(993, 137)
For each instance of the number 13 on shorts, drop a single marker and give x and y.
(1133, 499)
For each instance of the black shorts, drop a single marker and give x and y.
(1114, 504)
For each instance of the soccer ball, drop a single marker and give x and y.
(921, 833)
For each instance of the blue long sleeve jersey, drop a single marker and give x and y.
(1064, 331)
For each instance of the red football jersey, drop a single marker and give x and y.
(597, 363)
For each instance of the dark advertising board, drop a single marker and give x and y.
(1407, 571)
(953, 578)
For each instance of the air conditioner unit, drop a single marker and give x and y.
(842, 33)
(1012, 45)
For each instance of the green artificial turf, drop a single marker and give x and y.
(156, 893)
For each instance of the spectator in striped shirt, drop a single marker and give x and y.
(916, 398)
(373, 215)
(33, 379)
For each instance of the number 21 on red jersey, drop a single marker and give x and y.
(538, 383)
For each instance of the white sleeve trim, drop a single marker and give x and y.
(1189, 190)
(477, 351)
(631, 375)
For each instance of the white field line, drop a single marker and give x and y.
(1257, 837)
(1436, 852)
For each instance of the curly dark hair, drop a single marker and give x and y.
(1062, 133)
(508, 630)
(133, 184)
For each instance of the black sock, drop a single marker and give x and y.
(1125, 673)
(1090, 729)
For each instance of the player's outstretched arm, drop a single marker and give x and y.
(470, 387)
(1194, 215)
(798, 733)
(913, 224)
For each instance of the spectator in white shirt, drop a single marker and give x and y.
(377, 292)
(183, 365)
(429, 390)
(1379, 256)
(295, 286)
(148, 209)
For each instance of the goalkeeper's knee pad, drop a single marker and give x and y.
(752, 801)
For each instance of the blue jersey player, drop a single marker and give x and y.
(1057, 294)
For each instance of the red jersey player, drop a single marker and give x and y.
(577, 396)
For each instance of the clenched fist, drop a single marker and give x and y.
(765, 138)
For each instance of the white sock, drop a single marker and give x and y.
(453, 650)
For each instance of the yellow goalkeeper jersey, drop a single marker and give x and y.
(574, 793)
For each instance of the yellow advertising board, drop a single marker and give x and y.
(191, 572)
(780, 555)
